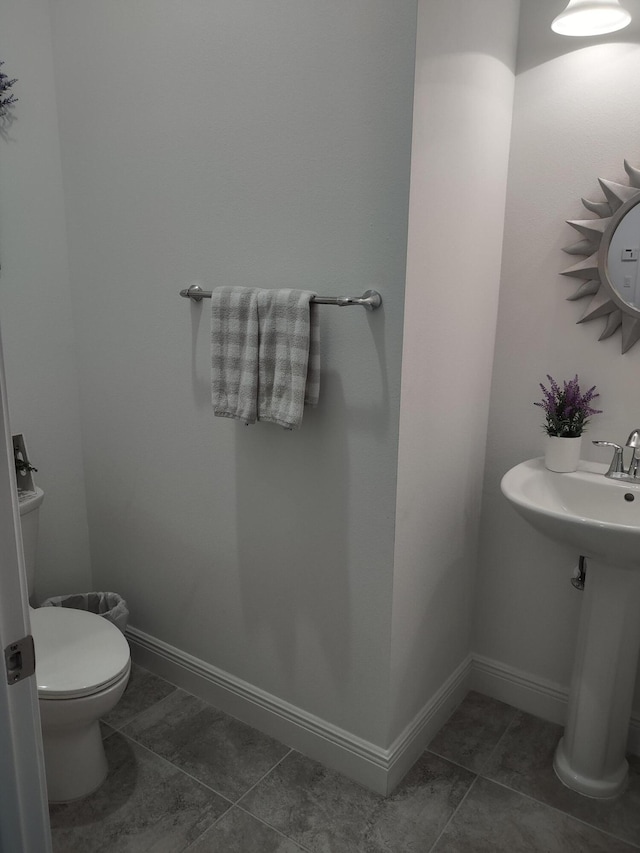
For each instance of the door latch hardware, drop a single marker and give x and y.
(20, 659)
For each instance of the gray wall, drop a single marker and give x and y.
(35, 300)
(245, 143)
(462, 121)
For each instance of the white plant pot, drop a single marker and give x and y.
(562, 454)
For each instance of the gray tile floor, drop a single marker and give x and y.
(186, 777)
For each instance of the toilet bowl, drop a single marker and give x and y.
(82, 668)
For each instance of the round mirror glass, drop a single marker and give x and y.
(623, 258)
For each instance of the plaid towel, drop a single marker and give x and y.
(288, 355)
(234, 353)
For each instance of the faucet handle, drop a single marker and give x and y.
(617, 463)
(634, 439)
(634, 442)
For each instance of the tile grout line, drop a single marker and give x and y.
(129, 720)
(562, 812)
(195, 778)
(453, 813)
(231, 803)
(275, 829)
(480, 769)
(264, 776)
(179, 769)
(453, 761)
(236, 804)
(485, 763)
(475, 770)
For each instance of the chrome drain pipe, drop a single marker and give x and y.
(580, 573)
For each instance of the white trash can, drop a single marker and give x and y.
(110, 605)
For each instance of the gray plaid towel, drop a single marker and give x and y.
(288, 357)
(234, 353)
(265, 354)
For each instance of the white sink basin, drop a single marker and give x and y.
(599, 517)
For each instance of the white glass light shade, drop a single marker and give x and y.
(591, 18)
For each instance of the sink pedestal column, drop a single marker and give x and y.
(590, 757)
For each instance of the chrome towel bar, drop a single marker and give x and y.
(370, 299)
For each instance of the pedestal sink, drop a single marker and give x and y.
(599, 518)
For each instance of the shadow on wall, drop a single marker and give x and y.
(422, 668)
(293, 561)
(200, 382)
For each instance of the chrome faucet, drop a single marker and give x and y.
(634, 441)
(617, 470)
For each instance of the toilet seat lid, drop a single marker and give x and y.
(77, 653)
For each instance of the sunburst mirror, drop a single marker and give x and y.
(610, 272)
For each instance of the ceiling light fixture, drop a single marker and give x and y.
(591, 18)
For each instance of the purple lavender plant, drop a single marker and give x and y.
(567, 410)
(6, 101)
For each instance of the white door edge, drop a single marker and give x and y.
(24, 816)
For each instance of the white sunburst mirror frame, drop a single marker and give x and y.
(594, 269)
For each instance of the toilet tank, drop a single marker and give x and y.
(29, 513)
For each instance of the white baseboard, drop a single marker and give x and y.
(373, 766)
(545, 699)
(534, 695)
(412, 742)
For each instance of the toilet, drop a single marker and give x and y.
(82, 668)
